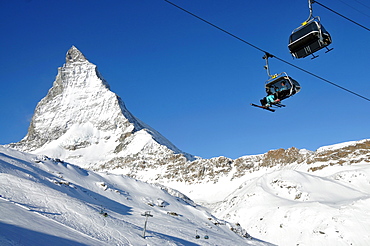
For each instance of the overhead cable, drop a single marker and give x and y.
(354, 8)
(280, 59)
(363, 4)
(368, 29)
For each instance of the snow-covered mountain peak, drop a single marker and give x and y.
(74, 55)
(82, 121)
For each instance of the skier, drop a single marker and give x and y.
(282, 91)
(269, 99)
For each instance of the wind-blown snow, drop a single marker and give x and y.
(45, 201)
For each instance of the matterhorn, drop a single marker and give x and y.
(82, 121)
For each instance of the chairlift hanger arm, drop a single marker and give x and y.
(310, 2)
(266, 57)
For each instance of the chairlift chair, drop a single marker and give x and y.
(275, 84)
(309, 38)
(280, 85)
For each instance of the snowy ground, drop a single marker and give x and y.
(290, 206)
(48, 202)
(45, 200)
(294, 208)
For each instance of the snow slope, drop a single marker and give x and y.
(49, 202)
(289, 207)
(45, 200)
(321, 200)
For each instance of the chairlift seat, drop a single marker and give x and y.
(274, 86)
(308, 39)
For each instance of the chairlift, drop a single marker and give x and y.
(280, 85)
(310, 37)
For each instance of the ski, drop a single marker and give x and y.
(267, 108)
(279, 105)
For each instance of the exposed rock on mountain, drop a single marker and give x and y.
(211, 170)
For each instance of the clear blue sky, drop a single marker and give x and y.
(188, 80)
